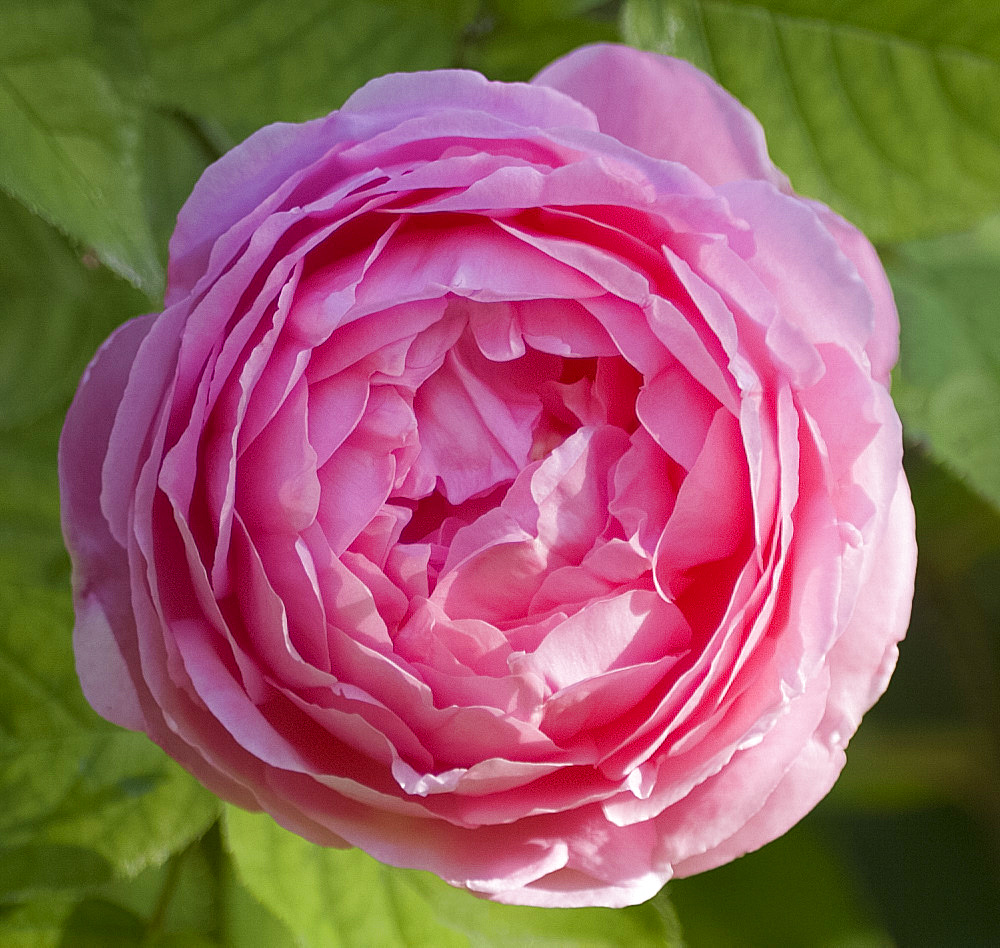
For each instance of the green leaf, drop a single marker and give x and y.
(888, 112)
(196, 895)
(26, 871)
(536, 12)
(176, 150)
(947, 383)
(70, 144)
(68, 777)
(515, 52)
(94, 923)
(249, 62)
(245, 922)
(345, 898)
(38, 923)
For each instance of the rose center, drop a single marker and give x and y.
(562, 394)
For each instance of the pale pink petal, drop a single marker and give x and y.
(680, 115)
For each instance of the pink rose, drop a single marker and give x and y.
(510, 486)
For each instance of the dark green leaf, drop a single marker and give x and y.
(536, 12)
(249, 62)
(56, 312)
(176, 149)
(335, 897)
(70, 144)
(94, 923)
(794, 892)
(888, 112)
(515, 52)
(27, 871)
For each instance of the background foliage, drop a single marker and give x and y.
(889, 110)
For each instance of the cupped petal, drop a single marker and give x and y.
(238, 185)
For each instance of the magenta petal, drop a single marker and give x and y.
(471, 437)
(677, 413)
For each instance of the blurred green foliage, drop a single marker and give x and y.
(889, 111)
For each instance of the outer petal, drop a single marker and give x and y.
(234, 186)
(883, 347)
(666, 108)
(101, 591)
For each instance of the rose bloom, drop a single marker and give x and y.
(510, 486)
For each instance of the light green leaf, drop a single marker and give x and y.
(38, 923)
(66, 776)
(888, 112)
(490, 925)
(330, 898)
(345, 898)
(196, 895)
(947, 383)
(249, 62)
(245, 922)
(70, 144)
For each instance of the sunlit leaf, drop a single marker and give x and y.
(947, 383)
(889, 112)
(37, 923)
(337, 897)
